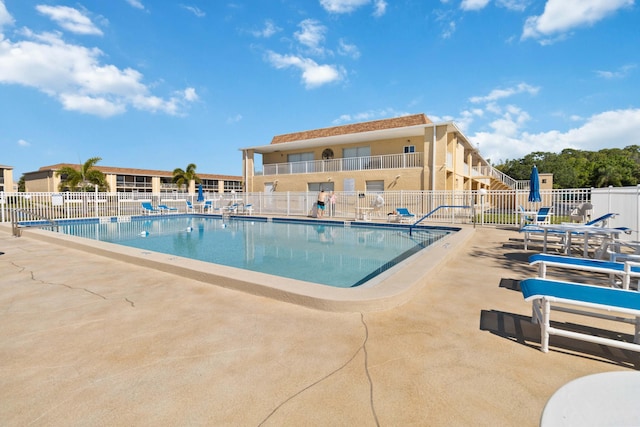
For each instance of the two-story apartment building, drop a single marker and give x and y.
(123, 180)
(403, 153)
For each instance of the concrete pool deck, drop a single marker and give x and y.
(89, 340)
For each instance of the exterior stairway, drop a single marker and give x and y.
(497, 179)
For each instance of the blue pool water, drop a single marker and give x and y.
(321, 253)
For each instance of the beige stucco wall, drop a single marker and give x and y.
(546, 181)
(112, 181)
(7, 177)
(407, 179)
(44, 181)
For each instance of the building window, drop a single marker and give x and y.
(318, 186)
(409, 149)
(232, 186)
(301, 162)
(375, 186)
(353, 158)
(299, 157)
(356, 152)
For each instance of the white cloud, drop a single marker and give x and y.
(609, 129)
(311, 35)
(313, 74)
(136, 3)
(511, 122)
(473, 4)
(75, 76)
(366, 116)
(515, 5)
(347, 49)
(23, 143)
(496, 94)
(190, 94)
(70, 19)
(195, 10)
(97, 106)
(561, 16)
(622, 72)
(449, 30)
(446, 18)
(235, 119)
(380, 8)
(348, 6)
(5, 17)
(269, 30)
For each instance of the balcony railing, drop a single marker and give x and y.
(390, 161)
(134, 185)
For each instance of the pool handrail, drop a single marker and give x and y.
(15, 222)
(433, 211)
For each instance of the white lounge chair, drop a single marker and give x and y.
(530, 230)
(165, 208)
(626, 270)
(584, 300)
(581, 213)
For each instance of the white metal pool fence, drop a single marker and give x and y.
(494, 207)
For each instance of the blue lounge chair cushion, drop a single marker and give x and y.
(147, 206)
(404, 212)
(579, 293)
(603, 219)
(581, 263)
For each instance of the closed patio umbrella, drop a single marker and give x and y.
(534, 186)
(200, 193)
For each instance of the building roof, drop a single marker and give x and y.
(376, 125)
(398, 127)
(140, 172)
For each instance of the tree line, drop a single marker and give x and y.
(617, 167)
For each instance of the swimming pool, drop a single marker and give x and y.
(326, 253)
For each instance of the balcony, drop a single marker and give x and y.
(390, 161)
(133, 185)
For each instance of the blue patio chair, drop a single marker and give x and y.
(542, 217)
(189, 206)
(147, 208)
(208, 206)
(404, 214)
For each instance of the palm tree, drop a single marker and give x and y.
(184, 177)
(84, 179)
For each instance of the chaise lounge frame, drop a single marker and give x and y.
(626, 270)
(584, 300)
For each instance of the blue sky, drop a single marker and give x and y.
(158, 84)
